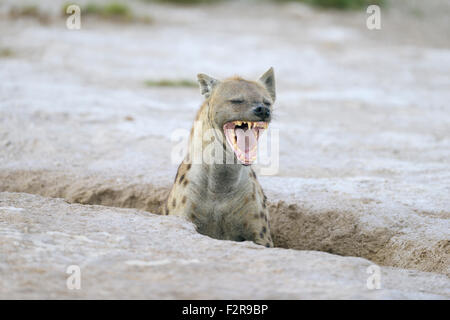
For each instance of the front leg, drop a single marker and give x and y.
(258, 229)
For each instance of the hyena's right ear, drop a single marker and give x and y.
(207, 84)
(268, 80)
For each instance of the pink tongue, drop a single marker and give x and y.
(246, 140)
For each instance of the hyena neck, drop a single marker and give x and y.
(225, 178)
(218, 177)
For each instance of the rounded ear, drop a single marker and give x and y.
(207, 84)
(268, 80)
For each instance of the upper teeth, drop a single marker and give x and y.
(251, 124)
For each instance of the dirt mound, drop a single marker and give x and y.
(85, 189)
(125, 253)
(292, 226)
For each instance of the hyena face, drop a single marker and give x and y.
(241, 110)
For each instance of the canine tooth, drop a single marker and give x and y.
(250, 124)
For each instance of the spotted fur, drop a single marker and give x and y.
(224, 201)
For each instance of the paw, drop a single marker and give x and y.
(268, 243)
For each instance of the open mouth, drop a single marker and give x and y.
(243, 136)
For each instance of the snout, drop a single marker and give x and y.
(262, 112)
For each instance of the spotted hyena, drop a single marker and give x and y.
(224, 199)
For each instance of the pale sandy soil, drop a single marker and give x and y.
(125, 253)
(364, 128)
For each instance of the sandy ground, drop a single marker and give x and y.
(124, 253)
(364, 126)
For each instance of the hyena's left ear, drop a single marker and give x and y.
(207, 84)
(268, 80)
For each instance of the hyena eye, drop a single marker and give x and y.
(237, 101)
(267, 103)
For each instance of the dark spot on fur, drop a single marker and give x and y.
(253, 197)
(256, 216)
(262, 214)
(174, 202)
(185, 182)
(181, 178)
(267, 245)
(264, 230)
(188, 166)
(261, 235)
(224, 146)
(183, 200)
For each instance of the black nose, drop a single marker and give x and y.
(262, 112)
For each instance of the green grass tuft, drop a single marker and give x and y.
(171, 83)
(30, 11)
(339, 4)
(185, 2)
(112, 10)
(336, 4)
(115, 11)
(6, 52)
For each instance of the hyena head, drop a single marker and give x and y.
(240, 110)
